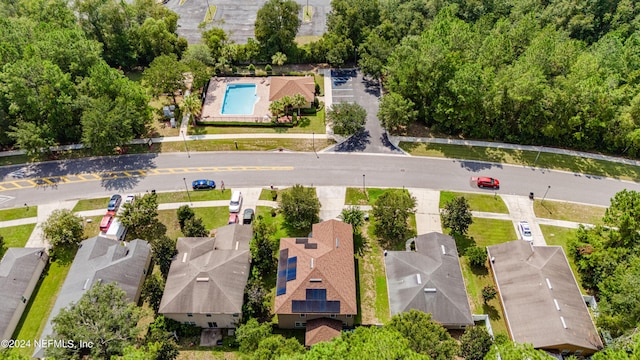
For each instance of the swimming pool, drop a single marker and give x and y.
(239, 99)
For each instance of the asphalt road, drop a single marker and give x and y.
(237, 170)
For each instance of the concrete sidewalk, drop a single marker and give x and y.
(331, 201)
(427, 210)
(521, 209)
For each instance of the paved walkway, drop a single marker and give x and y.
(521, 209)
(331, 201)
(44, 211)
(427, 210)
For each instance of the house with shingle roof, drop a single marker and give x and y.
(316, 280)
(282, 86)
(206, 281)
(541, 299)
(20, 270)
(430, 280)
(103, 260)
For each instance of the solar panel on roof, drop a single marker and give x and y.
(281, 281)
(315, 306)
(301, 240)
(311, 245)
(291, 268)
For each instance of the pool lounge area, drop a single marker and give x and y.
(237, 99)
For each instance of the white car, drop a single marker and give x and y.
(525, 231)
(129, 199)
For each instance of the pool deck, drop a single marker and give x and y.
(212, 107)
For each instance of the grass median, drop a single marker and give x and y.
(477, 202)
(18, 213)
(526, 158)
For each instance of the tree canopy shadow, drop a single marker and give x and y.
(463, 242)
(491, 311)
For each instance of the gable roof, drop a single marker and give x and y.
(106, 260)
(17, 268)
(282, 86)
(209, 274)
(324, 261)
(321, 330)
(429, 280)
(539, 293)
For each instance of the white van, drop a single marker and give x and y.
(236, 202)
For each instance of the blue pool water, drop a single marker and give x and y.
(239, 99)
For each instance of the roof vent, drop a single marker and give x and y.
(337, 242)
(430, 290)
(549, 284)
(557, 305)
(312, 263)
(184, 257)
(419, 278)
(86, 283)
(202, 279)
(444, 251)
(315, 280)
(564, 324)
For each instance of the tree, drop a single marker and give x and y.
(298, 101)
(152, 291)
(347, 118)
(215, 39)
(278, 59)
(477, 256)
(276, 108)
(160, 340)
(300, 207)
(391, 212)
(184, 213)
(515, 351)
(475, 343)
(103, 316)
(276, 346)
(354, 216)
(163, 251)
(31, 138)
(141, 218)
(250, 334)
(456, 215)
(425, 335)
(258, 298)
(63, 228)
(194, 227)
(192, 104)
(165, 75)
(395, 112)
(489, 293)
(276, 26)
(199, 52)
(263, 247)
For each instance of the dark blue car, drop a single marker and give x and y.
(114, 202)
(203, 184)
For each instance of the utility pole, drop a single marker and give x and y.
(187, 188)
(185, 143)
(545, 193)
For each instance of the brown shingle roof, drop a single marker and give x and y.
(322, 329)
(531, 281)
(332, 265)
(290, 86)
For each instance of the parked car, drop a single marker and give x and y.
(247, 217)
(203, 184)
(488, 182)
(525, 231)
(114, 203)
(129, 199)
(236, 202)
(106, 222)
(233, 218)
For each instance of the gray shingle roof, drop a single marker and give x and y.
(209, 274)
(106, 260)
(529, 279)
(17, 268)
(429, 280)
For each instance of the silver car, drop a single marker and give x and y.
(525, 231)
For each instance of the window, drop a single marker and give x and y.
(333, 316)
(189, 315)
(212, 324)
(348, 316)
(303, 315)
(208, 315)
(300, 324)
(578, 352)
(565, 352)
(189, 323)
(236, 315)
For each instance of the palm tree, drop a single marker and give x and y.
(287, 103)
(191, 104)
(299, 101)
(279, 59)
(276, 108)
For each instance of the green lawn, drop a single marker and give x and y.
(355, 196)
(307, 124)
(200, 195)
(211, 13)
(527, 158)
(243, 144)
(18, 213)
(266, 194)
(91, 204)
(372, 281)
(212, 217)
(559, 210)
(559, 236)
(320, 81)
(278, 222)
(42, 300)
(92, 226)
(17, 236)
(484, 232)
(477, 202)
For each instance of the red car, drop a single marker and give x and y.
(488, 182)
(233, 218)
(106, 222)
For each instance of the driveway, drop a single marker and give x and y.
(349, 85)
(237, 18)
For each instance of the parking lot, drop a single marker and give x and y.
(237, 18)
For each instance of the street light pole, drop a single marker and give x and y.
(545, 194)
(187, 188)
(185, 144)
(364, 189)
